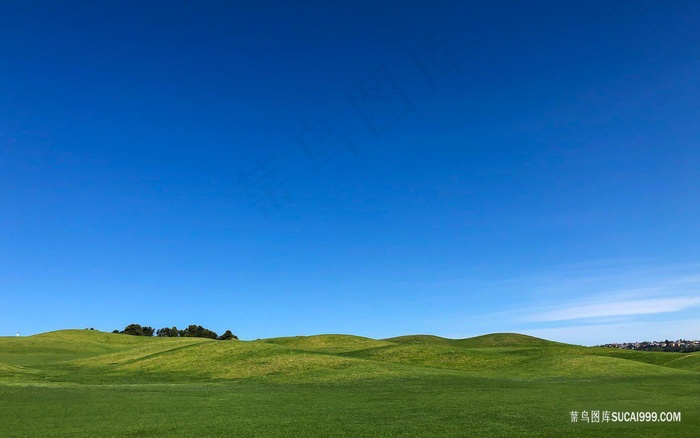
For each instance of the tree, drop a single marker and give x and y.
(163, 333)
(133, 330)
(148, 331)
(197, 331)
(192, 331)
(227, 336)
(166, 332)
(137, 330)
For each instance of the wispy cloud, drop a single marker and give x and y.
(633, 303)
(596, 334)
(611, 291)
(590, 303)
(615, 308)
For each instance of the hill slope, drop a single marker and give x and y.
(94, 355)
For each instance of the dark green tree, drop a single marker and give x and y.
(227, 336)
(197, 331)
(133, 330)
(163, 333)
(192, 331)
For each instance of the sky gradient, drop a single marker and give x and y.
(275, 169)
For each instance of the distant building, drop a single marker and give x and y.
(680, 345)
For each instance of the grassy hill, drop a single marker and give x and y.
(327, 357)
(491, 340)
(65, 345)
(420, 385)
(327, 343)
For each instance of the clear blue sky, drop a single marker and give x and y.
(286, 169)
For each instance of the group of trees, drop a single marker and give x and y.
(192, 331)
(136, 330)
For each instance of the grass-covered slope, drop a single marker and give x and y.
(512, 355)
(63, 345)
(86, 383)
(68, 353)
(327, 343)
(490, 340)
(507, 340)
(234, 361)
(324, 357)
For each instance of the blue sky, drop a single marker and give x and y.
(277, 169)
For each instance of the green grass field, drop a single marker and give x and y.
(89, 383)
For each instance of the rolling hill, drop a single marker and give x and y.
(326, 357)
(88, 383)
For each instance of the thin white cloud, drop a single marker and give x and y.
(584, 303)
(615, 308)
(605, 279)
(596, 334)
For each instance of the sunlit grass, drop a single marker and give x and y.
(87, 383)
